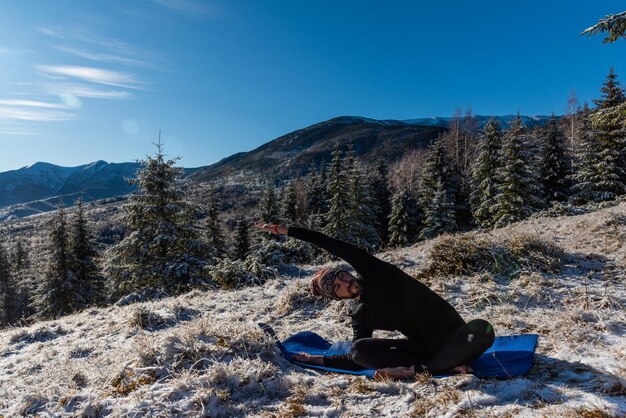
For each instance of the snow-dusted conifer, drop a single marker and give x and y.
(88, 280)
(437, 194)
(610, 122)
(399, 222)
(610, 125)
(289, 208)
(317, 201)
(269, 206)
(269, 212)
(553, 163)
(484, 180)
(242, 239)
(336, 219)
(55, 296)
(586, 177)
(601, 158)
(614, 25)
(518, 194)
(9, 309)
(214, 235)
(382, 198)
(361, 206)
(612, 93)
(163, 249)
(22, 275)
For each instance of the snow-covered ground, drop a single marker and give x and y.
(201, 354)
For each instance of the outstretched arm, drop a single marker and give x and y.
(355, 256)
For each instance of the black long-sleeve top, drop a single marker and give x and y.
(392, 300)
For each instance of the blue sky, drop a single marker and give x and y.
(87, 80)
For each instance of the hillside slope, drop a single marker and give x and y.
(201, 354)
(294, 153)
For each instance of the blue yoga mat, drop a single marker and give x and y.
(508, 357)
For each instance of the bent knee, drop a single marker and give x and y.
(357, 349)
(483, 331)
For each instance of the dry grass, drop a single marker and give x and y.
(293, 405)
(591, 413)
(297, 296)
(144, 318)
(454, 255)
(128, 381)
(360, 385)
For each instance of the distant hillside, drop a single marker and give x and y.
(481, 120)
(294, 153)
(39, 187)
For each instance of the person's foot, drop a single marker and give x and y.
(400, 372)
(308, 358)
(461, 369)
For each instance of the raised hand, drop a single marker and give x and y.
(273, 228)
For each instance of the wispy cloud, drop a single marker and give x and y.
(84, 36)
(80, 90)
(92, 75)
(99, 57)
(17, 132)
(33, 115)
(187, 7)
(31, 103)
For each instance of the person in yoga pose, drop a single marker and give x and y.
(437, 339)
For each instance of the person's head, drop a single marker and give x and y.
(336, 284)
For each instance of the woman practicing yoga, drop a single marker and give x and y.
(437, 339)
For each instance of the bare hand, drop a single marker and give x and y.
(272, 228)
(309, 358)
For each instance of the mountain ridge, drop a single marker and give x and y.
(38, 187)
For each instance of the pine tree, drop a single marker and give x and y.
(9, 313)
(269, 206)
(336, 219)
(54, 296)
(518, 193)
(23, 278)
(610, 125)
(586, 178)
(289, 208)
(163, 249)
(484, 181)
(553, 163)
(361, 207)
(317, 201)
(610, 122)
(214, 235)
(612, 93)
(437, 194)
(399, 220)
(242, 239)
(601, 160)
(88, 281)
(614, 25)
(382, 198)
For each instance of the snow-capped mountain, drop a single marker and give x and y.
(41, 186)
(44, 180)
(481, 120)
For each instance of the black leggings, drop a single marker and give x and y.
(461, 346)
